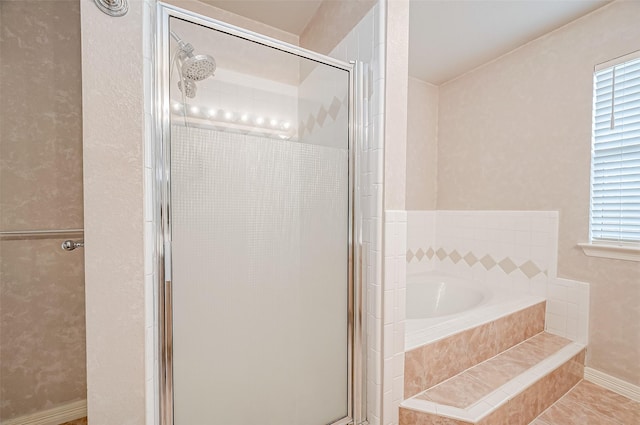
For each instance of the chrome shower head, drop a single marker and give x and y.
(198, 67)
(190, 88)
(193, 67)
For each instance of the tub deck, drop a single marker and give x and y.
(425, 331)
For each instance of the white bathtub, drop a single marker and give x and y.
(431, 296)
(438, 305)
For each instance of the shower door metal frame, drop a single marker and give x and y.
(356, 406)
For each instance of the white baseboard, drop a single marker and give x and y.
(614, 384)
(56, 416)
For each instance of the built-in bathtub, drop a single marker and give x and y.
(431, 296)
(439, 305)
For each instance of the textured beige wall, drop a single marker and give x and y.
(41, 115)
(422, 145)
(395, 122)
(42, 330)
(516, 135)
(113, 113)
(333, 20)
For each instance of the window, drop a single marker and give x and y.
(615, 159)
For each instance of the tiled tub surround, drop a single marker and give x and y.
(463, 390)
(471, 244)
(510, 251)
(517, 402)
(492, 364)
(493, 306)
(445, 357)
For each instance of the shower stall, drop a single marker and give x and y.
(259, 297)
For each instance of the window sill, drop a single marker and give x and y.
(616, 252)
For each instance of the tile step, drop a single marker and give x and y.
(481, 390)
(435, 362)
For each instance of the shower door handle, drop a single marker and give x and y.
(70, 245)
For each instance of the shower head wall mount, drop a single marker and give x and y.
(115, 8)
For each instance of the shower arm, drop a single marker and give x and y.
(175, 37)
(186, 48)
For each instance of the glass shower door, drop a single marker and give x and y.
(260, 233)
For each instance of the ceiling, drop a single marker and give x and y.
(288, 15)
(446, 37)
(450, 37)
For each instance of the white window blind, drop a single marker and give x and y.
(615, 166)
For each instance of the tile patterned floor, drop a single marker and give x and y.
(585, 404)
(82, 421)
(590, 404)
(467, 388)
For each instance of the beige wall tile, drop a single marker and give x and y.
(520, 128)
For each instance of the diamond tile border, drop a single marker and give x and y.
(410, 255)
(320, 118)
(470, 259)
(507, 265)
(430, 253)
(455, 256)
(529, 268)
(488, 262)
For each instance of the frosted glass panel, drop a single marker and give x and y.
(260, 240)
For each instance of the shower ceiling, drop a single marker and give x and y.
(290, 16)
